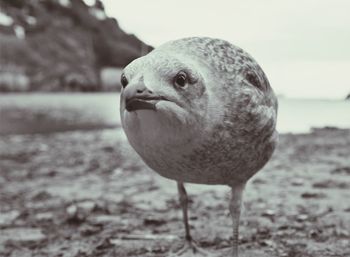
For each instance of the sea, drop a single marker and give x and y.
(294, 115)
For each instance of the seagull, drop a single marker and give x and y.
(200, 110)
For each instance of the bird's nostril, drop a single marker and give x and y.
(150, 91)
(139, 91)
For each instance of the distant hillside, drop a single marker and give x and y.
(56, 45)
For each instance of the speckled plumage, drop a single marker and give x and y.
(200, 110)
(225, 131)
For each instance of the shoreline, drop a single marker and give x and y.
(81, 111)
(87, 192)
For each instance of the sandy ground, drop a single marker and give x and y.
(86, 193)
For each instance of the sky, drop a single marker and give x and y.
(303, 46)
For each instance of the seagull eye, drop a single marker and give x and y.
(124, 80)
(180, 79)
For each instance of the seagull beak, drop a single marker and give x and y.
(139, 97)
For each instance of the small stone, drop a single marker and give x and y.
(315, 233)
(329, 183)
(7, 218)
(268, 213)
(302, 217)
(44, 216)
(87, 206)
(72, 211)
(117, 172)
(21, 235)
(264, 231)
(341, 170)
(153, 221)
(80, 211)
(342, 233)
(308, 195)
(297, 182)
(259, 181)
(105, 219)
(88, 230)
(269, 243)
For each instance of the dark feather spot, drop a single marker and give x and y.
(253, 79)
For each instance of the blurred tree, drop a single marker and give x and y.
(15, 3)
(64, 44)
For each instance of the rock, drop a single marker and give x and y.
(259, 181)
(347, 97)
(330, 183)
(297, 182)
(80, 211)
(302, 217)
(88, 230)
(342, 233)
(87, 206)
(154, 221)
(72, 211)
(7, 218)
(105, 219)
(308, 195)
(44, 216)
(341, 170)
(21, 235)
(269, 213)
(266, 242)
(315, 233)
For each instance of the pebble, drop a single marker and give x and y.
(21, 235)
(308, 195)
(7, 218)
(44, 216)
(105, 219)
(325, 184)
(72, 211)
(80, 211)
(267, 242)
(268, 213)
(297, 182)
(87, 206)
(88, 230)
(342, 233)
(302, 217)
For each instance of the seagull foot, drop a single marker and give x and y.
(190, 249)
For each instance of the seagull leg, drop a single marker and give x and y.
(190, 248)
(235, 210)
(184, 205)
